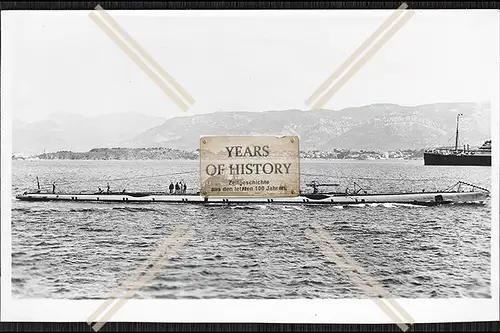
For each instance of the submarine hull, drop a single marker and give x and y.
(424, 198)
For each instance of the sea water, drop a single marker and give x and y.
(78, 250)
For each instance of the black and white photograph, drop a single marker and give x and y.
(267, 166)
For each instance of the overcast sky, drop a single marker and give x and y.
(254, 60)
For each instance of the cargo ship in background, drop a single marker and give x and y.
(466, 156)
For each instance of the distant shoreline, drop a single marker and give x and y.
(160, 154)
(389, 160)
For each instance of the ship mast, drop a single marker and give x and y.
(456, 135)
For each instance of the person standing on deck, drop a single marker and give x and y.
(107, 190)
(176, 188)
(54, 187)
(171, 187)
(184, 188)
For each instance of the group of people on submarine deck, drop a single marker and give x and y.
(179, 188)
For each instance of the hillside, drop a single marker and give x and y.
(381, 127)
(66, 131)
(121, 154)
(377, 126)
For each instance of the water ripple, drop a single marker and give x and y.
(85, 250)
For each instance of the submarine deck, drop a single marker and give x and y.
(423, 198)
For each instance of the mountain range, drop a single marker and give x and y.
(380, 127)
(66, 131)
(376, 127)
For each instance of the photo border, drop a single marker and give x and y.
(6, 193)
